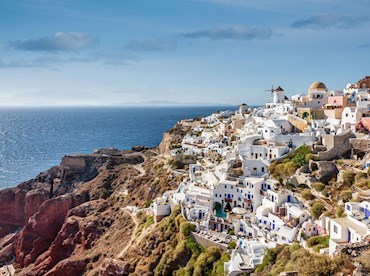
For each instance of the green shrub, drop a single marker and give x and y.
(325, 192)
(319, 186)
(269, 258)
(286, 167)
(308, 157)
(231, 232)
(218, 266)
(205, 261)
(232, 245)
(191, 245)
(359, 176)
(318, 240)
(346, 195)
(348, 178)
(329, 214)
(186, 228)
(307, 195)
(317, 209)
(324, 265)
(289, 168)
(148, 203)
(340, 212)
(296, 258)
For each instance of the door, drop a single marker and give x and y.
(349, 235)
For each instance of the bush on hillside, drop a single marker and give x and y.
(317, 243)
(348, 178)
(186, 228)
(296, 258)
(319, 186)
(286, 167)
(307, 195)
(232, 245)
(317, 209)
(340, 212)
(325, 192)
(346, 195)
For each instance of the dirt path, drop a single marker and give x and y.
(139, 167)
(136, 225)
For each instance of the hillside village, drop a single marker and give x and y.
(281, 189)
(296, 170)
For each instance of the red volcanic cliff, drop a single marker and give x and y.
(41, 229)
(66, 220)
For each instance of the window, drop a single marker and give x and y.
(335, 229)
(263, 169)
(232, 187)
(225, 186)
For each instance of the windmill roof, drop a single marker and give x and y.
(279, 89)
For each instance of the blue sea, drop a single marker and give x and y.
(34, 139)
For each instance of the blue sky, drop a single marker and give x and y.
(196, 51)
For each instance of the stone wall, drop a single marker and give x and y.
(74, 163)
(353, 249)
(337, 145)
(297, 122)
(206, 242)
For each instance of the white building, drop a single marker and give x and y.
(244, 193)
(275, 127)
(346, 230)
(197, 202)
(160, 208)
(350, 116)
(246, 257)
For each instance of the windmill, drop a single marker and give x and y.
(271, 90)
(277, 94)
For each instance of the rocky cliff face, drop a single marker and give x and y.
(173, 138)
(70, 219)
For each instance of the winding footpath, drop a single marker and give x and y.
(132, 238)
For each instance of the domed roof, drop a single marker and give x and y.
(317, 86)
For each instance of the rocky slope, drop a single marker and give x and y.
(70, 220)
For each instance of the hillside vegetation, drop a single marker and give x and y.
(286, 167)
(170, 250)
(296, 258)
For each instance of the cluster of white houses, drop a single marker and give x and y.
(228, 189)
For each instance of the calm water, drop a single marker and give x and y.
(34, 139)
